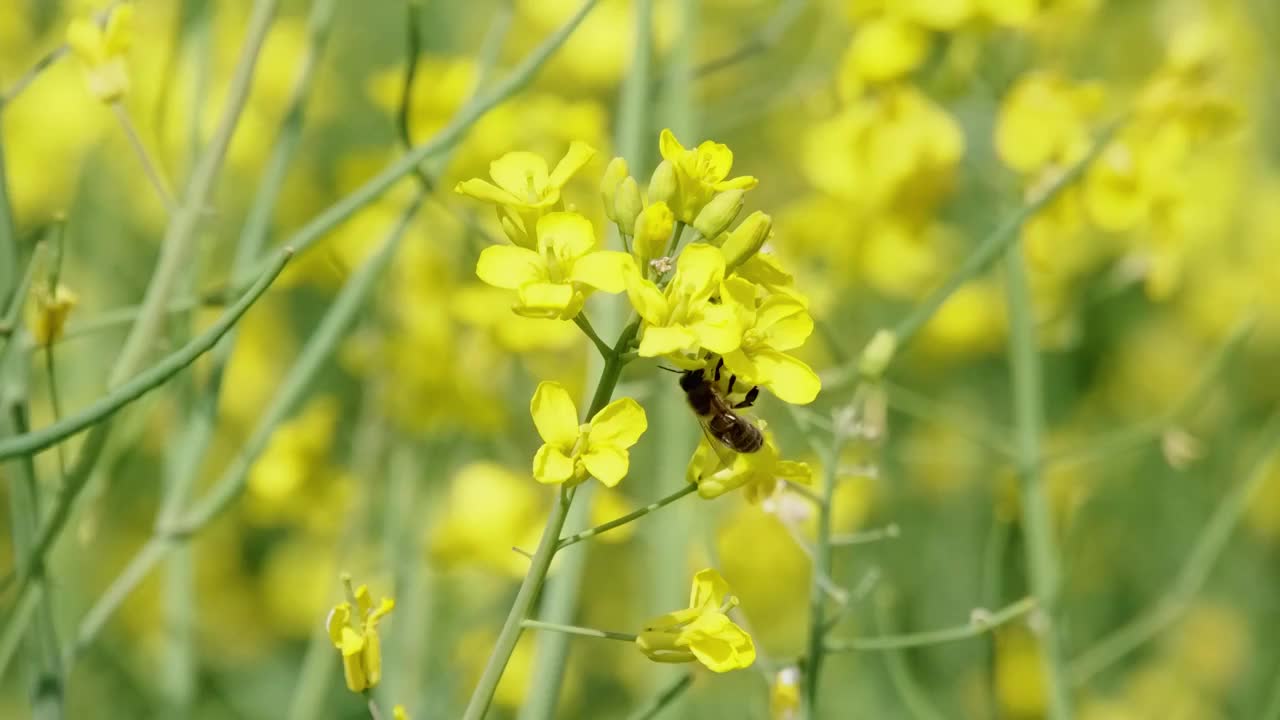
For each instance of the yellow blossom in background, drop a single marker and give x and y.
(1044, 122)
(784, 695)
(487, 510)
(353, 629)
(680, 319)
(759, 473)
(525, 191)
(700, 173)
(101, 49)
(598, 448)
(554, 280)
(399, 713)
(701, 632)
(49, 313)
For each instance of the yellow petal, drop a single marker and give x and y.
(337, 620)
(510, 267)
(788, 378)
(718, 329)
(606, 464)
(484, 190)
(352, 642)
(887, 48)
(603, 270)
(647, 299)
(372, 656)
(384, 608)
(742, 182)
(714, 161)
(84, 37)
(698, 273)
(555, 415)
(719, 644)
(784, 322)
(523, 174)
(364, 603)
(579, 154)
(118, 35)
(353, 671)
(566, 235)
(709, 589)
(618, 424)
(669, 146)
(659, 341)
(551, 466)
(547, 300)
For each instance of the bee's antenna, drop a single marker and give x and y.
(673, 370)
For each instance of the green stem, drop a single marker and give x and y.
(8, 233)
(145, 381)
(888, 532)
(576, 630)
(914, 697)
(148, 165)
(976, 627)
(1037, 522)
(540, 562)
(625, 519)
(821, 570)
(1204, 554)
(601, 346)
(664, 698)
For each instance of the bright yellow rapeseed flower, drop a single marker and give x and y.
(758, 473)
(680, 320)
(554, 280)
(700, 173)
(573, 452)
(355, 635)
(769, 327)
(102, 49)
(525, 190)
(701, 632)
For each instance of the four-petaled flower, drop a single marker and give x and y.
(682, 319)
(554, 280)
(102, 48)
(356, 637)
(770, 326)
(701, 632)
(717, 470)
(572, 452)
(525, 190)
(700, 173)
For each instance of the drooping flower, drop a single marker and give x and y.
(525, 190)
(680, 319)
(50, 313)
(554, 280)
(770, 327)
(700, 173)
(717, 470)
(354, 632)
(701, 632)
(599, 448)
(102, 48)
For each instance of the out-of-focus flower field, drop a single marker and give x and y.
(329, 331)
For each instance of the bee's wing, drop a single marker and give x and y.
(716, 445)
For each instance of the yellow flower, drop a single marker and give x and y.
(102, 50)
(357, 637)
(784, 699)
(554, 280)
(525, 190)
(884, 48)
(769, 327)
(598, 448)
(758, 473)
(399, 713)
(1044, 122)
(700, 173)
(680, 319)
(51, 311)
(701, 632)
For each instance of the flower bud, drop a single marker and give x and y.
(878, 354)
(746, 239)
(719, 214)
(653, 232)
(51, 311)
(663, 185)
(627, 205)
(614, 174)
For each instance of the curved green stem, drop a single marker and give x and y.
(601, 346)
(664, 698)
(577, 630)
(979, 625)
(625, 519)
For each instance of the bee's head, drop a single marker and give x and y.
(690, 379)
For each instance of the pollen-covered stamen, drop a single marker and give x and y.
(532, 191)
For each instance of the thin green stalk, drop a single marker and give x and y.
(576, 630)
(540, 562)
(914, 697)
(145, 381)
(663, 699)
(13, 312)
(601, 346)
(821, 569)
(149, 167)
(24, 505)
(1037, 523)
(1208, 548)
(888, 532)
(332, 329)
(762, 40)
(922, 407)
(308, 235)
(977, 626)
(625, 519)
(8, 232)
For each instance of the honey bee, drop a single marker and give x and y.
(716, 412)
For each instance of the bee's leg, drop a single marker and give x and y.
(732, 379)
(719, 364)
(750, 399)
